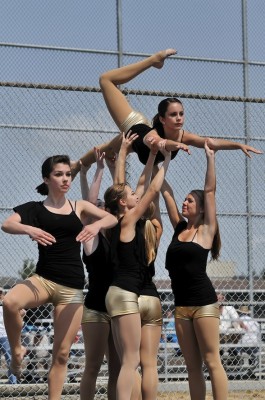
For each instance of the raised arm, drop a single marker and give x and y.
(83, 181)
(172, 209)
(192, 139)
(157, 220)
(96, 182)
(146, 174)
(209, 192)
(125, 149)
(154, 187)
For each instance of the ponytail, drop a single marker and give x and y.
(42, 189)
(150, 241)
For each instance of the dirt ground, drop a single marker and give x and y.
(242, 395)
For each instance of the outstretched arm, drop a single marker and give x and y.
(153, 139)
(14, 226)
(192, 139)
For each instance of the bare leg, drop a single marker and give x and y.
(28, 294)
(95, 333)
(114, 368)
(127, 335)
(191, 352)
(150, 338)
(67, 320)
(137, 387)
(207, 333)
(116, 102)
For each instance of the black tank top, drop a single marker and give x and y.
(186, 263)
(60, 262)
(141, 149)
(128, 259)
(99, 274)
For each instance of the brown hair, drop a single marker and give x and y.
(112, 197)
(216, 245)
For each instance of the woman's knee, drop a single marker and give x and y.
(61, 357)
(11, 304)
(103, 79)
(213, 363)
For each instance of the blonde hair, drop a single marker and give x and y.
(150, 241)
(150, 233)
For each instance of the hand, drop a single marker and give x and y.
(182, 146)
(111, 161)
(41, 237)
(88, 232)
(127, 141)
(99, 158)
(153, 145)
(209, 151)
(245, 148)
(83, 168)
(162, 148)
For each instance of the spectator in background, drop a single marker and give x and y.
(250, 340)
(169, 330)
(229, 318)
(35, 324)
(4, 343)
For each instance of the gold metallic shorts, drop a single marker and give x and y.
(150, 310)
(191, 312)
(60, 294)
(121, 302)
(134, 118)
(94, 316)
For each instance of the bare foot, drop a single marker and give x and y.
(75, 168)
(160, 57)
(16, 362)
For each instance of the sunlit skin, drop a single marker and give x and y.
(190, 206)
(131, 199)
(173, 121)
(60, 179)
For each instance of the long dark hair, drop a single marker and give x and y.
(216, 245)
(47, 168)
(162, 109)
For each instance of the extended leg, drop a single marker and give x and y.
(117, 103)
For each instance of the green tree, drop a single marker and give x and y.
(28, 268)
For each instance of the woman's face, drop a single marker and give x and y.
(131, 199)
(190, 206)
(174, 117)
(60, 179)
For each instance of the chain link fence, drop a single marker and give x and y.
(50, 103)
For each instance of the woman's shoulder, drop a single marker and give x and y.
(181, 225)
(30, 205)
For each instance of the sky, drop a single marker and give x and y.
(207, 29)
